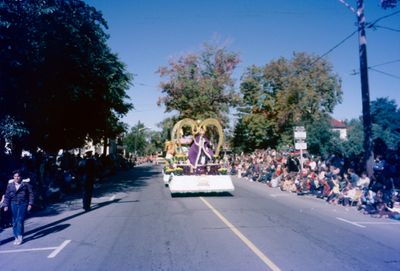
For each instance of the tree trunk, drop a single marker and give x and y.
(105, 146)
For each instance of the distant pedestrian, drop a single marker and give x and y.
(89, 171)
(19, 197)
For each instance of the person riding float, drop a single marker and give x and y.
(200, 152)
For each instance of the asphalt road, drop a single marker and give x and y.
(135, 224)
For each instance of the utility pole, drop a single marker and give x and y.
(368, 158)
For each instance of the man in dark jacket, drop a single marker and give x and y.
(19, 197)
(89, 171)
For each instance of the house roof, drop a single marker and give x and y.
(337, 124)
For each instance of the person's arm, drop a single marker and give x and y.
(31, 197)
(6, 199)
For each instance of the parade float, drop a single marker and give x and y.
(193, 158)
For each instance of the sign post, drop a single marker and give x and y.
(300, 136)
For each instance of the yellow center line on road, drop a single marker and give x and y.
(245, 240)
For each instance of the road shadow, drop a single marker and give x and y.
(56, 226)
(125, 181)
(47, 231)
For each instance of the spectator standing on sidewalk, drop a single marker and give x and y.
(89, 171)
(19, 197)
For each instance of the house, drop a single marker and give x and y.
(339, 126)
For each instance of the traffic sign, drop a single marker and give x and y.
(300, 146)
(300, 132)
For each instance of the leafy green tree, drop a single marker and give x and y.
(353, 146)
(321, 140)
(11, 131)
(240, 136)
(137, 139)
(285, 93)
(256, 127)
(58, 75)
(389, 3)
(155, 144)
(384, 112)
(166, 126)
(10, 128)
(385, 117)
(200, 85)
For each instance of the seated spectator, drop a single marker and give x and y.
(394, 212)
(335, 170)
(306, 186)
(313, 165)
(367, 200)
(382, 210)
(377, 204)
(350, 195)
(363, 181)
(275, 181)
(335, 191)
(325, 189)
(288, 184)
(353, 177)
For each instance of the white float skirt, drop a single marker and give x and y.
(199, 183)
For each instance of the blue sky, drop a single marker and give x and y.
(147, 33)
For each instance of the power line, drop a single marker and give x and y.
(387, 28)
(369, 25)
(340, 43)
(385, 63)
(385, 73)
(355, 72)
(334, 47)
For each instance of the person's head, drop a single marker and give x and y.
(364, 175)
(17, 176)
(202, 131)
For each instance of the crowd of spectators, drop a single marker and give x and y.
(336, 180)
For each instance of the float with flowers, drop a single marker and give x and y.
(193, 161)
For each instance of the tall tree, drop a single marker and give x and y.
(353, 147)
(166, 126)
(385, 116)
(200, 85)
(57, 73)
(137, 139)
(287, 92)
(156, 143)
(321, 139)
